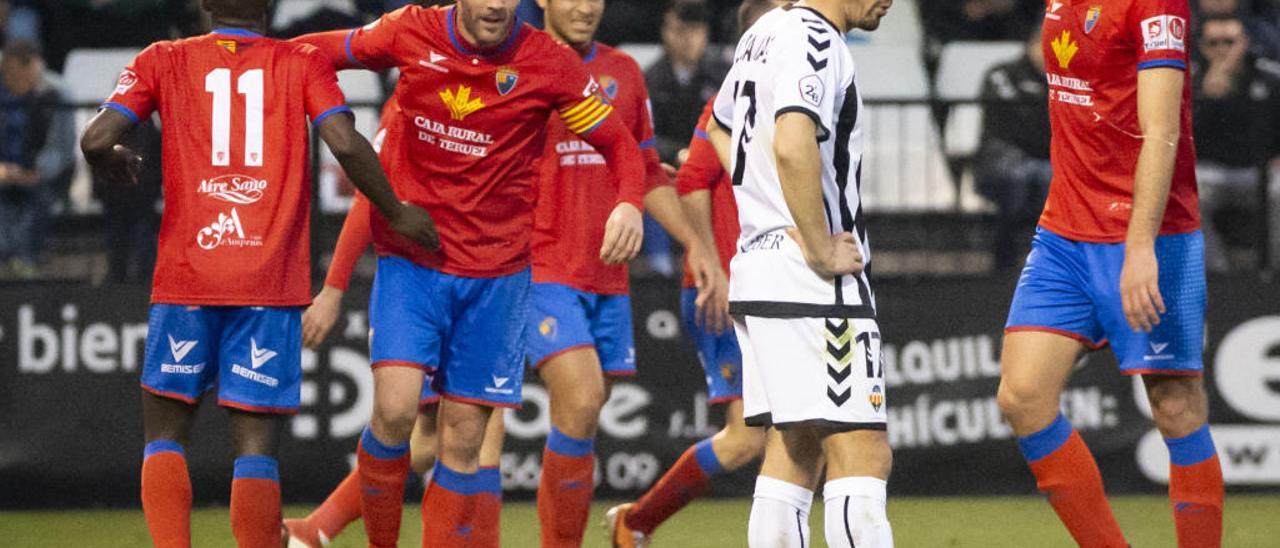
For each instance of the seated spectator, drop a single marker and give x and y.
(949, 20)
(1264, 35)
(1237, 130)
(37, 143)
(1012, 166)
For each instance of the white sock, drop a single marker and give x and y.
(779, 515)
(854, 514)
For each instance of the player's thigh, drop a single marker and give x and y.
(613, 335)
(557, 323)
(793, 456)
(719, 354)
(1176, 344)
(482, 361)
(857, 453)
(1053, 293)
(260, 359)
(573, 380)
(181, 360)
(407, 314)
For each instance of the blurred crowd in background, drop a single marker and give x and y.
(1236, 74)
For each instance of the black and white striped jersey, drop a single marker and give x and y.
(793, 60)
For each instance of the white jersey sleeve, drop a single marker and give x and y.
(722, 109)
(807, 80)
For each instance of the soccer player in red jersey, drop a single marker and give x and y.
(579, 335)
(1118, 257)
(476, 91)
(233, 267)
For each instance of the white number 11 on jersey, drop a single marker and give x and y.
(218, 82)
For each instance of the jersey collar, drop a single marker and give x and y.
(237, 32)
(591, 53)
(460, 43)
(820, 16)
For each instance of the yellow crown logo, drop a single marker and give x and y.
(460, 104)
(1064, 48)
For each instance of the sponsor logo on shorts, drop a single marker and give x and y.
(180, 349)
(179, 369)
(498, 386)
(727, 373)
(1157, 352)
(259, 356)
(254, 376)
(839, 358)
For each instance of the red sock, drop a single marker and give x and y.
(1066, 472)
(166, 494)
(382, 471)
(1195, 489)
(340, 509)
(255, 502)
(450, 509)
(489, 509)
(564, 492)
(685, 481)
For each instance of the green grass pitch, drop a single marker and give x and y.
(1252, 521)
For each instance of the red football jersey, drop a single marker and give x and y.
(577, 191)
(237, 189)
(1093, 51)
(702, 171)
(474, 125)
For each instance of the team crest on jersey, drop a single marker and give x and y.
(229, 45)
(876, 398)
(460, 103)
(609, 87)
(506, 79)
(127, 79)
(1091, 18)
(1064, 48)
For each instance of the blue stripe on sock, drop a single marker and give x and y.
(559, 442)
(377, 450)
(160, 446)
(1043, 443)
(490, 480)
(1192, 449)
(256, 466)
(707, 459)
(462, 484)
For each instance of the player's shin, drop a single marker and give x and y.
(1195, 489)
(382, 471)
(688, 479)
(854, 513)
(779, 515)
(166, 494)
(1067, 473)
(255, 502)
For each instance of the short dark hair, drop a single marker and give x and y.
(690, 11)
(21, 51)
(1220, 18)
(239, 9)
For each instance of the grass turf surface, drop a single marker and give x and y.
(1252, 521)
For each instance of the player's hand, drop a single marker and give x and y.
(319, 318)
(712, 304)
(623, 233)
(670, 171)
(415, 223)
(1140, 288)
(123, 166)
(837, 257)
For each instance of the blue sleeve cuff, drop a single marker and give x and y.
(1163, 63)
(327, 113)
(700, 133)
(651, 142)
(122, 110)
(351, 56)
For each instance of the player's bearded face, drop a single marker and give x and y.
(487, 21)
(865, 14)
(575, 20)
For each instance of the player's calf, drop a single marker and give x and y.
(1180, 409)
(858, 467)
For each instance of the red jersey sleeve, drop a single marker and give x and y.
(324, 97)
(333, 44)
(354, 239)
(1158, 31)
(702, 169)
(373, 46)
(137, 89)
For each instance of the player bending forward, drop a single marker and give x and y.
(233, 267)
(800, 298)
(476, 89)
(1118, 257)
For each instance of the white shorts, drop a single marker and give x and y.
(812, 372)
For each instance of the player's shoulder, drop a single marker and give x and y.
(619, 60)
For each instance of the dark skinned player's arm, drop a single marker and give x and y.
(101, 146)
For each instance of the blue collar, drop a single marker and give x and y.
(457, 41)
(591, 55)
(237, 32)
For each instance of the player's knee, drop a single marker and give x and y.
(1017, 401)
(1178, 410)
(393, 420)
(581, 410)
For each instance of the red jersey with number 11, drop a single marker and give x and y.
(237, 192)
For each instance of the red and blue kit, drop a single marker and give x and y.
(1094, 51)
(234, 265)
(578, 301)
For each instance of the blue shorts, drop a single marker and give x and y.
(563, 318)
(254, 354)
(468, 333)
(720, 356)
(1073, 289)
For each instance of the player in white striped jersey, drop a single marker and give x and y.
(787, 125)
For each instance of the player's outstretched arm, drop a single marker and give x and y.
(101, 146)
(624, 231)
(1159, 116)
(358, 159)
(333, 44)
(795, 146)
